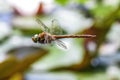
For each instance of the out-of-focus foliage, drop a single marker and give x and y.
(62, 2)
(19, 62)
(100, 11)
(81, 1)
(82, 54)
(65, 2)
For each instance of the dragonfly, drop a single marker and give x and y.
(52, 34)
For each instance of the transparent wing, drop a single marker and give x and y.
(55, 28)
(61, 44)
(42, 25)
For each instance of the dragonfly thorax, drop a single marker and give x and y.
(43, 38)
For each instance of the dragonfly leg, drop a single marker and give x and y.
(46, 37)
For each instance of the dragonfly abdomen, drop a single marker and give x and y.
(73, 36)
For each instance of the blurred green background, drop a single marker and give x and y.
(85, 59)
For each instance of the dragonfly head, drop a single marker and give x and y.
(35, 38)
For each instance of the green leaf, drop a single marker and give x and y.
(62, 2)
(81, 1)
(102, 11)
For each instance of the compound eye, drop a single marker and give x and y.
(35, 38)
